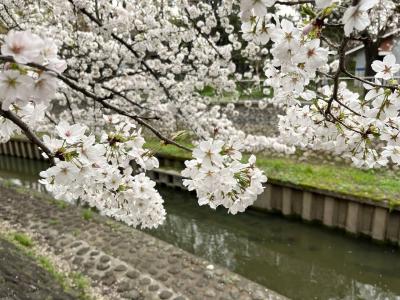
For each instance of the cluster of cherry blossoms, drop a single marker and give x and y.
(101, 172)
(21, 83)
(364, 129)
(25, 87)
(219, 178)
(298, 58)
(320, 116)
(151, 60)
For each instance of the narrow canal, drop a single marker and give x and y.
(298, 260)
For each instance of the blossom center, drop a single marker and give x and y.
(12, 82)
(17, 49)
(288, 36)
(387, 69)
(311, 52)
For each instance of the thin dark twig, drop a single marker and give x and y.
(126, 98)
(203, 35)
(143, 123)
(50, 118)
(289, 3)
(392, 87)
(69, 107)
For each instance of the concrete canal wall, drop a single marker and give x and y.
(355, 215)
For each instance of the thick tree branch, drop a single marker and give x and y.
(27, 131)
(341, 67)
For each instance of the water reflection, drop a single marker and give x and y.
(22, 172)
(295, 259)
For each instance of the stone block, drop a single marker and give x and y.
(393, 226)
(307, 205)
(365, 219)
(379, 223)
(286, 201)
(276, 197)
(352, 217)
(329, 206)
(264, 200)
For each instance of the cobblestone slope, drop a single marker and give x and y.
(126, 262)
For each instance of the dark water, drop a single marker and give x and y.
(297, 260)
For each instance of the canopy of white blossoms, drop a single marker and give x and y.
(107, 171)
(305, 71)
(93, 73)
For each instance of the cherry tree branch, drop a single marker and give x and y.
(145, 124)
(120, 94)
(50, 118)
(127, 46)
(342, 104)
(336, 76)
(69, 107)
(392, 87)
(102, 101)
(27, 131)
(329, 42)
(202, 34)
(11, 17)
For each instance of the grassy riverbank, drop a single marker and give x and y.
(37, 274)
(377, 185)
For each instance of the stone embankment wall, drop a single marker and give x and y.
(256, 121)
(353, 214)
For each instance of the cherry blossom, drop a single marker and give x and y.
(356, 17)
(387, 68)
(258, 7)
(14, 87)
(321, 4)
(24, 46)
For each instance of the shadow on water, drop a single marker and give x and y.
(295, 259)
